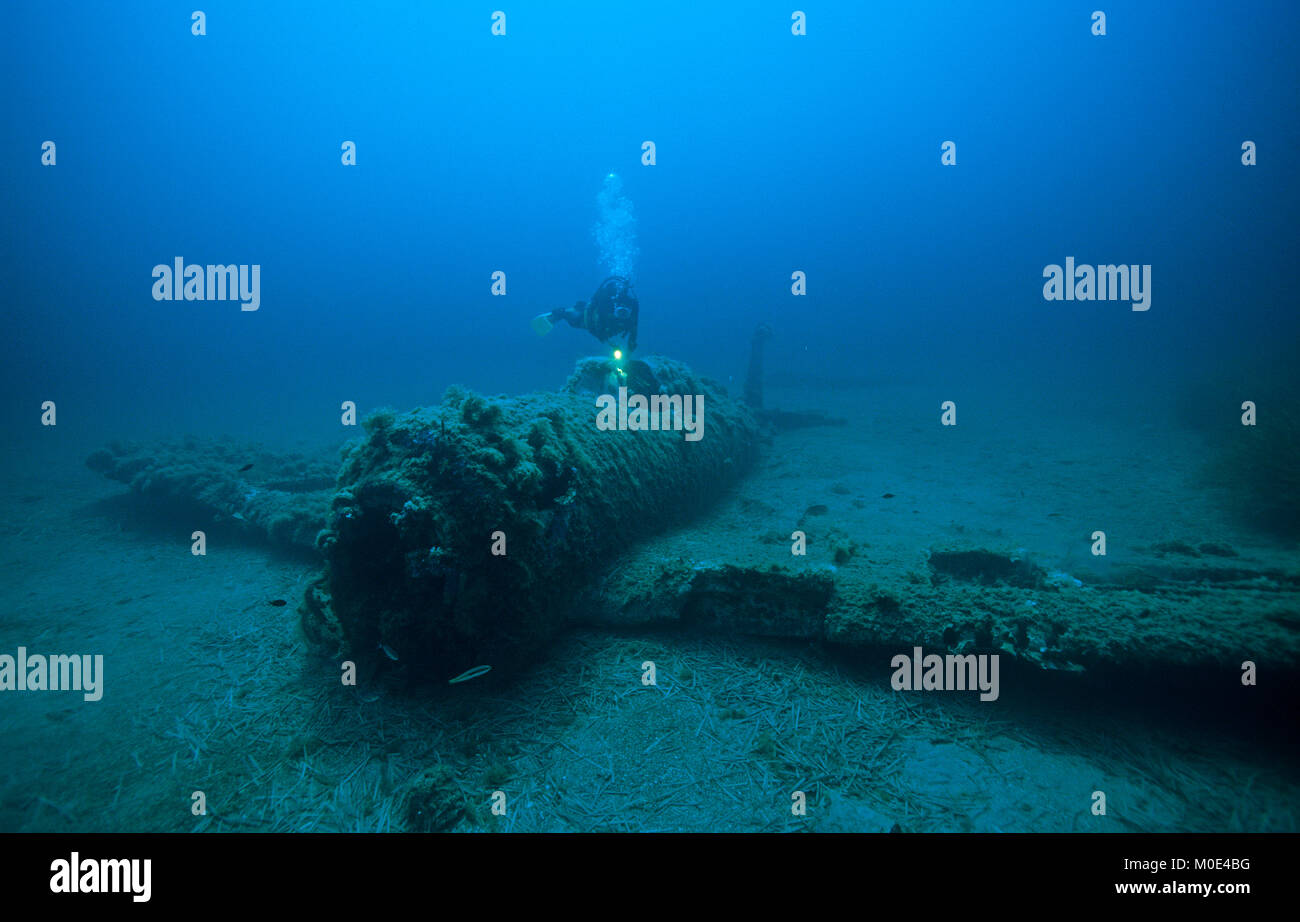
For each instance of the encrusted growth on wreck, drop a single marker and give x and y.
(460, 532)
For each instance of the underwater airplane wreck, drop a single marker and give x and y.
(470, 533)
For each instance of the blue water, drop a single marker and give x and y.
(774, 153)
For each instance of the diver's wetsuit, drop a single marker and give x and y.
(612, 310)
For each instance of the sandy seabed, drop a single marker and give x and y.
(209, 687)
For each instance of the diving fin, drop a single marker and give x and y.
(542, 324)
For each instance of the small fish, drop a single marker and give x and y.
(246, 467)
(887, 496)
(469, 674)
(388, 651)
(279, 603)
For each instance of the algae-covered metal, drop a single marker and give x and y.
(460, 533)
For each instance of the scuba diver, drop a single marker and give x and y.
(611, 312)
